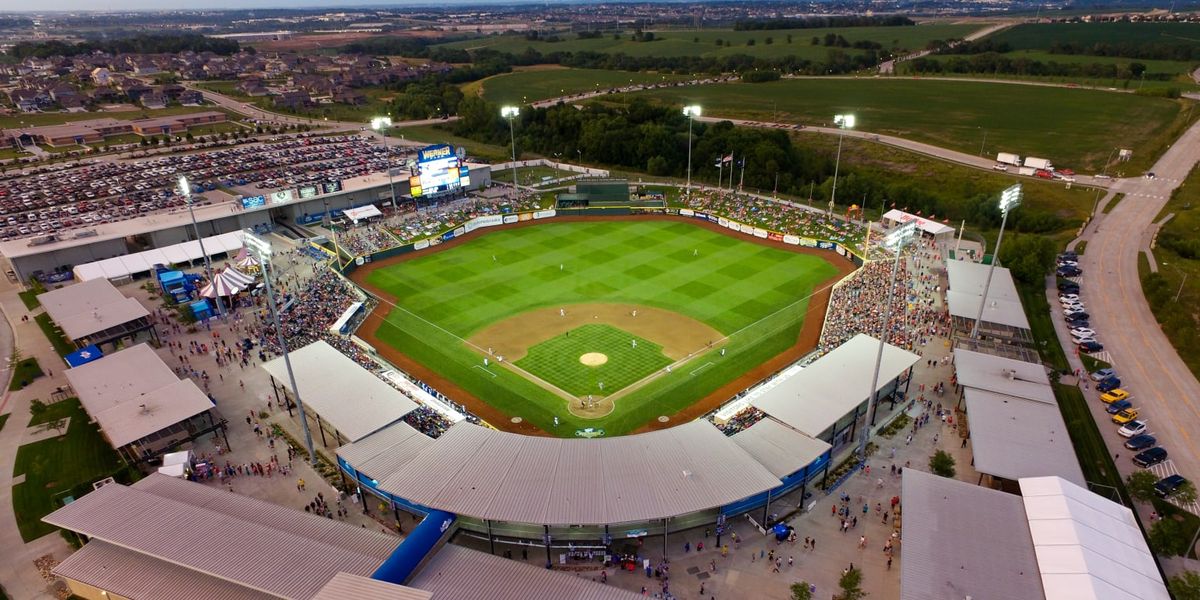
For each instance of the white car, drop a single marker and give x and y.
(1068, 298)
(1073, 311)
(1082, 332)
(1068, 263)
(1132, 428)
(1070, 301)
(1084, 340)
(1076, 306)
(1000, 167)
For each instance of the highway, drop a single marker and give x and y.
(1165, 390)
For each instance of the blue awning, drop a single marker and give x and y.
(84, 356)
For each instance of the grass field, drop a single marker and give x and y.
(1180, 274)
(1041, 36)
(540, 84)
(704, 42)
(955, 114)
(56, 465)
(557, 360)
(434, 135)
(753, 293)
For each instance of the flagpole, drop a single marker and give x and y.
(742, 177)
(732, 162)
(720, 171)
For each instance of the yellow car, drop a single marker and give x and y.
(1125, 416)
(1114, 395)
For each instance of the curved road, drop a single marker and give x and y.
(1166, 390)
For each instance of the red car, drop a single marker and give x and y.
(1044, 174)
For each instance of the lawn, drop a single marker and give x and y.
(539, 84)
(557, 360)
(24, 372)
(1041, 36)
(956, 114)
(758, 294)
(1178, 278)
(66, 464)
(34, 119)
(528, 175)
(704, 42)
(433, 134)
(29, 298)
(53, 333)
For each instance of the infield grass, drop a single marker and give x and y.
(557, 360)
(756, 295)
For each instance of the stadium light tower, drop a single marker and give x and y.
(691, 112)
(185, 188)
(262, 249)
(894, 241)
(843, 123)
(510, 113)
(381, 124)
(1010, 198)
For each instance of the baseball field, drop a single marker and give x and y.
(597, 327)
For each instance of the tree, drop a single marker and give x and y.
(1186, 493)
(1185, 586)
(55, 424)
(37, 408)
(1169, 536)
(1141, 485)
(801, 591)
(851, 585)
(941, 463)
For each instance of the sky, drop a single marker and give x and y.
(72, 5)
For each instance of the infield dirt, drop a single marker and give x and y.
(810, 330)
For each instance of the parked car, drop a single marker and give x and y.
(1078, 313)
(1091, 347)
(1151, 457)
(1114, 396)
(1083, 332)
(1125, 416)
(1109, 384)
(1076, 320)
(1141, 442)
(1132, 428)
(1064, 297)
(1103, 374)
(1069, 271)
(1118, 406)
(1068, 287)
(1169, 485)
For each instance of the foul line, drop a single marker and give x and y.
(702, 367)
(484, 369)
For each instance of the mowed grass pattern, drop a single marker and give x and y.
(556, 360)
(730, 284)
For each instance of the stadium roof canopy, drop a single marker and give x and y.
(487, 474)
(386, 451)
(456, 572)
(350, 398)
(1002, 375)
(257, 544)
(133, 393)
(964, 292)
(119, 267)
(166, 538)
(1013, 437)
(965, 541)
(925, 225)
(1088, 547)
(779, 448)
(90, 307)
(833, 385)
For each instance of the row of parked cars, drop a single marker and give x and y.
(1073, 307)
(104, 192)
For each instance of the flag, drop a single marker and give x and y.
(719, 162)
(743, 162)
(727, 159)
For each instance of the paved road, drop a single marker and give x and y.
(1166, 391)
(889, 67)
(962, 158)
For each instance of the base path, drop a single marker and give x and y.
(679, 335)
(810, 331)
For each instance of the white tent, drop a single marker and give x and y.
(179, 471)
(237, 277)
(362, 212)
(120, 267)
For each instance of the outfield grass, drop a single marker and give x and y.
(734, 286)
(58, 465)
(540, 84)
(704, 42)
(557, 360)
(1061, 124)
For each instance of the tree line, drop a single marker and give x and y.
(653, 138)
(994, 63)
(138, 44)
(822, 22)
(1180, 51)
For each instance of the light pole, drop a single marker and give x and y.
(691, 112)
(185, 188)
(843, 123)
(510, 113)
(983, 143)
(380, 125)
(894, 241)
(1009, 199)
(262, 249)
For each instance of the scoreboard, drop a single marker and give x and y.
(439, 170)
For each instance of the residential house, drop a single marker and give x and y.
(153, 100)
(28, 100)
(191, 98)
(101, 76)
(293, 99)
(347, 95)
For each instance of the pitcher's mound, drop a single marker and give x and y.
(593, 359)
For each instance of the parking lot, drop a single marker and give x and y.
(50, 202)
